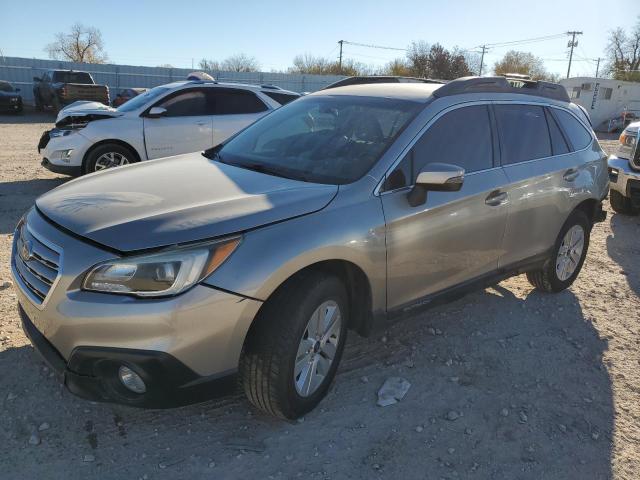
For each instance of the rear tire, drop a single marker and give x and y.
(38, 102)
(621, 204)
(55, 103)
(281, 344)
(109, 155)
(561, 270)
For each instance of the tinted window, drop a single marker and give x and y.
(558, 143)
(524, 133)
(324, 139)
(281, 98)
(185, 104)
(235, 102)
(577, 134)
(461, 137)
(5, 87)
(72, 77)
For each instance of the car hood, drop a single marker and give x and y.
(9, 94)
(83, 108)
(175, 200)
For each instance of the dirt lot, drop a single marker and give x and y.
(506, 383)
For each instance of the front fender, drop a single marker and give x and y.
(268, 256)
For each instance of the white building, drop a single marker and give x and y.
(604, 98)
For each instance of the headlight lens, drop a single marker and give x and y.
(57, 132)
(159, 274)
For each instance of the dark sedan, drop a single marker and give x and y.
(10, 98)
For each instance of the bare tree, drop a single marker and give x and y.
(623, 54)
(313, 65)
(235, 63)
(240, 63)
(399, 67)
(210, 65)
(524, 63)
(82, 45)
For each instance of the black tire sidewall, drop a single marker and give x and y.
(328, 288)
(576, 218)
(89, 164)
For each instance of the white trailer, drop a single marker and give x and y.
(604, 98)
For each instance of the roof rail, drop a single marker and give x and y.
(501, 85)
(271, 87)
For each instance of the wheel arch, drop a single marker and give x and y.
(122, 143)
(355, 281)
(590, 207)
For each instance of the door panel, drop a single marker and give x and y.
(225, 126)
(453, 237)
(539, 195)
(168, 136)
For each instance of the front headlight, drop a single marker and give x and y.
(58, 132)
(160, 274)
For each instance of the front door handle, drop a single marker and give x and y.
(496, 198)
(202, 123)
(571, 174)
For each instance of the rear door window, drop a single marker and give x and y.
(228, 101)
(281, 98)
(578, 136)
(523, 132)
(558, 143)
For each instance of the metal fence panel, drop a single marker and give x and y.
(20, 72)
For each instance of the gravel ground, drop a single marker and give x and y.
(506, 383)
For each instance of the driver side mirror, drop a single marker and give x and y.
(156, 112)
(437, 177)
(17, 89)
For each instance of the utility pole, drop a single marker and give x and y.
(598, 66)
(340, 57)
(572, 43)
(484, 49)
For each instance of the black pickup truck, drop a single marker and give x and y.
(57, 88)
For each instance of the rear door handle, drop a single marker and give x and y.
(496, 198)
(571, 174)
(202, 123)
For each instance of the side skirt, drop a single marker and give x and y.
(458, 291)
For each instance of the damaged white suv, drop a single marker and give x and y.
(168, 120)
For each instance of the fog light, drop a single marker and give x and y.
(131, 380)
(65, 155)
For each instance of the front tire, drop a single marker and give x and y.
(567, 258)
(293, 350)
(109, 155)
(621, 204)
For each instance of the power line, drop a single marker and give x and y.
(368, 45)
(526, 40)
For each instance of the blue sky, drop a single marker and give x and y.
(153, 33)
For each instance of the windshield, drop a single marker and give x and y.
(73, 77)
(5, 87)
(142, 99)
(323, 139)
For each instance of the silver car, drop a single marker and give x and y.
(169, 282)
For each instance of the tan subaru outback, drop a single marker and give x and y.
(161, 283)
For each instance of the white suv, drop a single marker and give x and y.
(172, 119)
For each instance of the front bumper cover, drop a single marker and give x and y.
(624, 179)
(92, 373)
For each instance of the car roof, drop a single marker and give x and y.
(215, 84)
(420, 92)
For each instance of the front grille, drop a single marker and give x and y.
(36, 262)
